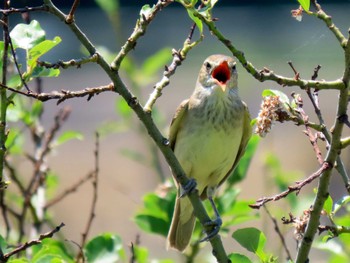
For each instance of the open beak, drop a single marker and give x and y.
(222, 74)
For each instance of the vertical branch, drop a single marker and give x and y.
(94, 198)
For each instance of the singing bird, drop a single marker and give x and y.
(208, 134)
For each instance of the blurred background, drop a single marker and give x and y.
(269, 37)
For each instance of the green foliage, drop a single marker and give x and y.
(305, 4)
(254, 241)
(107, 248)
(155, 216)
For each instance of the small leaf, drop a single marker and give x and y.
(305, 4)
(235, 257)
(251, 239)
(328, 205)
(123, 108)
(195, 19)
(40, 49)
(69, 135)
(27, 36)
(105, 248)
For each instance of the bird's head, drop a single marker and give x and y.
(218, 72)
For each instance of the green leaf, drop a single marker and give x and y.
(251, 239)
(328, 205)
(241, 171)
(155, 216)
(27, 36)
(18, 260)
(44, 72)
(40, 49)
(141, 254)
(51, 251)
(235, 257)
(156, 62)
(305, 4)
(69, 135)
(110, 7)
(195, 19)
(105, 248)
(123, 108)
(15, 141)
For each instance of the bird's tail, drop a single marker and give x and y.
(182, 224)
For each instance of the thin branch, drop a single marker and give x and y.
(140, 30)
(33, 242)
(94, 199)
(63, 94)
(73, 188)
(267, 74)
(279, 233)
(71, 63)
(294, 188)
(70, 16)
(12, 10)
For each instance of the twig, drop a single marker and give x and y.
(63, 94)
(278, 231)
(294, 188)
(94, 199)
(23, 10)
(71, 63)
(178, 57)
(73, 188)
(31, 243)
(70, 16)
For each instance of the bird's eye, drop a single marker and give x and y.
(233, 67)
(207, 66)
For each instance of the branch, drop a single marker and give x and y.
(94, 199)
(70, 16)
(294, 188)
(63, 94)
(73, 188)
(266, 74)
(71, 63)
(28, 244)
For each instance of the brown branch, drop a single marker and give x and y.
(23, 10)
(28, 244)
(294, 188)
(70, 16)
(279, 233)
(63, 94)
(73, 188)
(94, 198)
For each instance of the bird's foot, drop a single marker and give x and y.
(188, 187)
(214, 228)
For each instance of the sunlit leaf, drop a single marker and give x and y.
(251, 239)
(339, 204)
(305, 4)
(27, 36)
(328, 205)
(239, 258)
(40, 49)
(51, 251)
(105, 248)
(195, 19)
(69, 135)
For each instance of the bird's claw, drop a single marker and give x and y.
(188, 187)
(214, 229)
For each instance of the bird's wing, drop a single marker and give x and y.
(176, 122)
(247, 133)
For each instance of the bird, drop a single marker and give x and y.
(208, 135)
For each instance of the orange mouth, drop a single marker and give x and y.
(222, 73)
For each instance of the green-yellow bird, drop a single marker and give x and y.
(208, 134)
